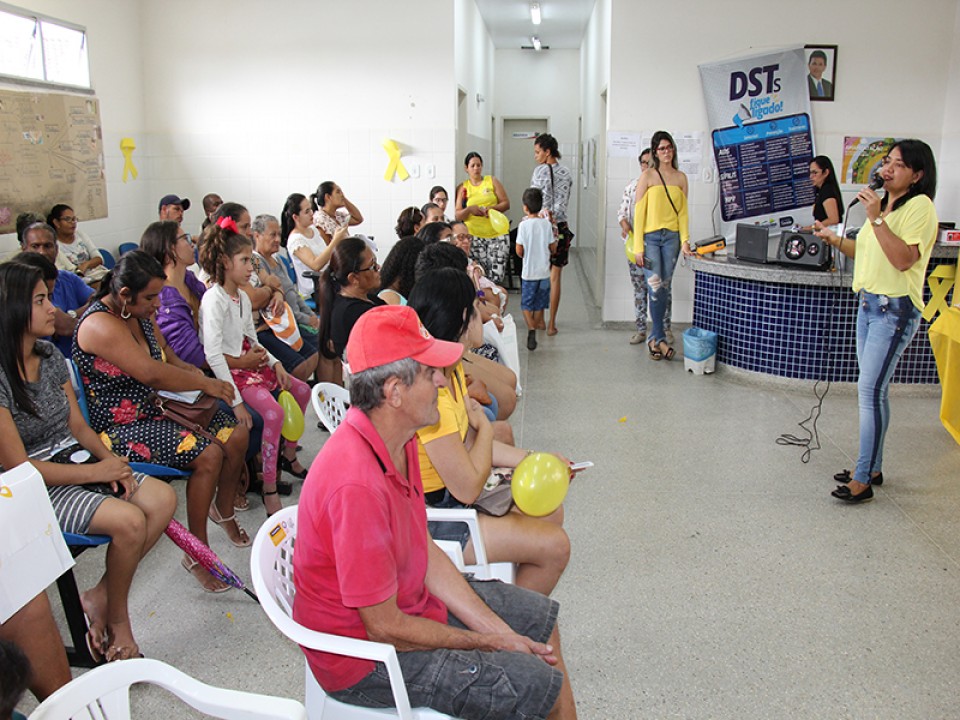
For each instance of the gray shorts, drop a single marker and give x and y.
(474, 684)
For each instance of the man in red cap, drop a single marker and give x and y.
(366, 568)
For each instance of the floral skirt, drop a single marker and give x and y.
(163, 441)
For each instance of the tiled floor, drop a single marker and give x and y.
(712, 575)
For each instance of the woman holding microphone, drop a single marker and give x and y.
(892, 250)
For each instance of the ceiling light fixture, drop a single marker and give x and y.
(535, 13)
(536, 43)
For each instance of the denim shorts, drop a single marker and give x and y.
(471, 683)
(535, 294)
(287, 356)
(446, 530)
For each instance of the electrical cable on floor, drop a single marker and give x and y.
(809, 424)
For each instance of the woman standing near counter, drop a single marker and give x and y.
(828, 202)
(892, 251)
(660, 226)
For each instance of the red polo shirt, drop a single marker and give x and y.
(361, 538)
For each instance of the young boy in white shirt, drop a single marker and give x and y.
(535, 244)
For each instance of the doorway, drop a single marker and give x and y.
(517, 159)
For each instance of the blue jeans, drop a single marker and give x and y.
(660, 251)
(885, 326)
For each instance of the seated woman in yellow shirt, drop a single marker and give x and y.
(456, 454)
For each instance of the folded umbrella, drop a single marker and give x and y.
(191, 545)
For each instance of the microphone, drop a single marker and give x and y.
(876, 182)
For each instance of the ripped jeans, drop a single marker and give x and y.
(660, 251)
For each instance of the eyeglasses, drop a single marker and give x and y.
(71, 220)
(462, 237)
(187, 237)
(665, 148)
(645, 163)
(375, 267)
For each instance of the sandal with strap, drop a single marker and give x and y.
(654, 351)
(244, 540)
(667, 354)
(264, 496)
(189, 564)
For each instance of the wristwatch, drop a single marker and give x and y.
(878, 222)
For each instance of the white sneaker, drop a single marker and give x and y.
(637, 338)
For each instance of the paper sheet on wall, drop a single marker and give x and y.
(689, 151)
(51, 151)
(623, 144)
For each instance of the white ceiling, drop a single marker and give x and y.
(508, 22)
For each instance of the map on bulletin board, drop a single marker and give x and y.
(51, 151)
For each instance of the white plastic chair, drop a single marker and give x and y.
(331, 403)
(104, 694)
(271, 569)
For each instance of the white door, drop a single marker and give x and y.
(518, 162)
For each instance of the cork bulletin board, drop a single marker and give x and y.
(51, 151)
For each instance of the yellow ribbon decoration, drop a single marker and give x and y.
(396, 165)
(5, 491)
(127, 146)
(941, 281)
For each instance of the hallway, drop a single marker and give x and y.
(712, 575)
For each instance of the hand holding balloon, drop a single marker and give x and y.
(540, 483)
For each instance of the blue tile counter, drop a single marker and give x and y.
(794, 323)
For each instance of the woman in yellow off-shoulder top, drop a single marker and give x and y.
(660, 226)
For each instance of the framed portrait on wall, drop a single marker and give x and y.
(821, 71)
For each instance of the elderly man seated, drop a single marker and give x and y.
(366, 568)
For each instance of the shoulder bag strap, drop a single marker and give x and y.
(667, 191)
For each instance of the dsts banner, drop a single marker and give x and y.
(758, 108)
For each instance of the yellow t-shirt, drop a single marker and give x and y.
(654, 212)
(915, 222)
(482, 195)
(453, 419)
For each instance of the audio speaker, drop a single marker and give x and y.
(753, 242)
(803, 249)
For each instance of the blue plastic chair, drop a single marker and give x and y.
(127, 247)
(161, 471)
(108, 260)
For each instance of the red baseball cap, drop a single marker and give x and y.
(389, 333)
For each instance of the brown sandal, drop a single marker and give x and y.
(654, 351)
(667, 354)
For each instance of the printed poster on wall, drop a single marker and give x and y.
(862, 157)
(758, 108)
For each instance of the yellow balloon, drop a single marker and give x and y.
(540, 483)
(499, 222)
(292, 428)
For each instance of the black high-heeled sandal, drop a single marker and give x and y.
(846, 476)
(287, 467)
